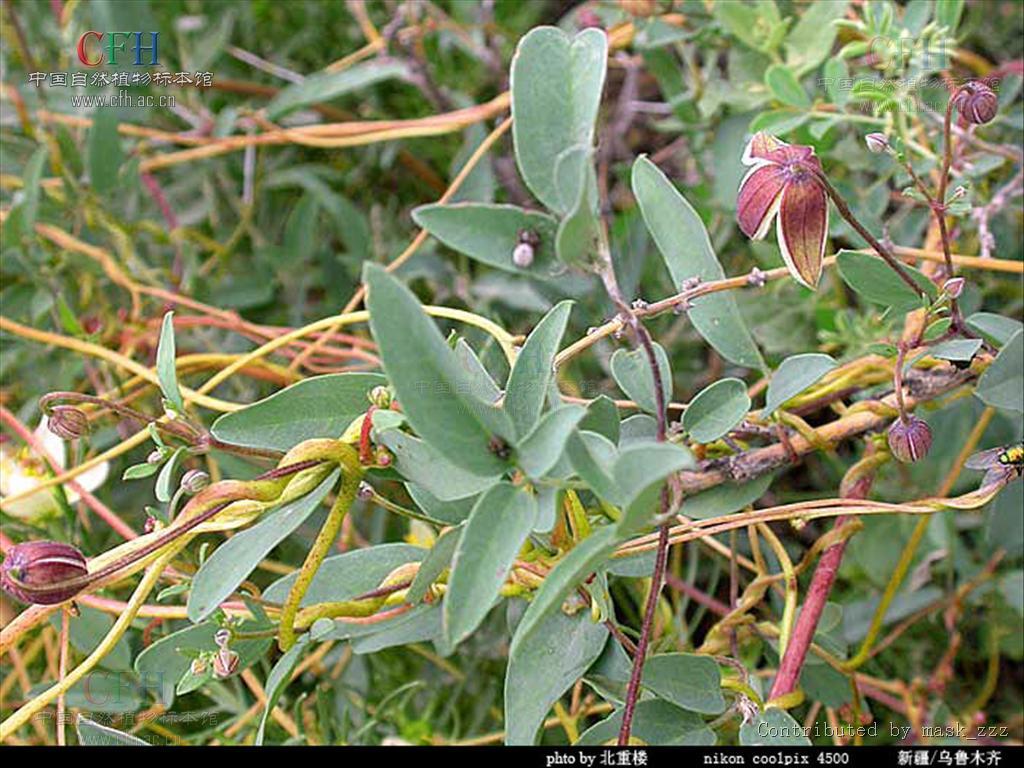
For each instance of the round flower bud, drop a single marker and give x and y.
(222, 638)
(35, 572)
(954, 287)
(67, 422)
(194, 481)
(877, 142)
(910, 439)
(380, 396)
(976, 102)
(383, 457)
(225, 663)
(155, 456)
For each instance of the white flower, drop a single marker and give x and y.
(21, 470)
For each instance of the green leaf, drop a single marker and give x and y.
(779, 729)
(948, 13)
(490, 542)
(655, 722)
(592, 457)
(139, 471)
(962, 350)
(810, 41)
(577, 243)
(1005, 523)
(872, 278)
(166, 368)
(794, 375)
(320, 407)
(483, 385)
(543, 447)
(716, 409)
(104, 151)
(726, 499)
(434, 563)
(785, 87)
(544, 664)
(556, 84)
(581, 561)
(86, 632)
(489, 233)
(346, 576)
(164, 488)
(229, 565)
(1002, 383)
(684, 244)
(92, 734)
(602, 417)
(640, 471)
(632, 372)
(324, 86)
(533, 370)
(420, 463)
(278, 680)
(433, 388)
(422, 624)
(450, 512)
(30, 201)
(687, 680)
(995, 328)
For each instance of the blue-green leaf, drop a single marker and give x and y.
(320, 407)
(490, 542)
(556, 83)
(166, 368)
(794, 375)
(533, 370)
(684, 244)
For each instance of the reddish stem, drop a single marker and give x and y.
(806, 625)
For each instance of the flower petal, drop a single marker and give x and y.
(803, 229)
(50, 443)
(758, 199)
(765, 148)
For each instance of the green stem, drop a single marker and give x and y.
(352, 474)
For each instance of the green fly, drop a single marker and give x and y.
(1000, 464)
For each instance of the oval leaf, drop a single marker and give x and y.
(795, 374)
(716, 409)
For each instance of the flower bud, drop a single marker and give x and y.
(225, 663)
(155, 456)
(976, 102)
(222, 637)
(910, 439)
(522, 255)
(954, 287)
(383, 457)
(380, 396)
(365, 492)
(67, 422)
(34, 571)
(877, 142)
(194, 481)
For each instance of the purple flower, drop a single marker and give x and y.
(37, 572)
(781, 184)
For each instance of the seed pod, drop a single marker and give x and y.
(976, 102)
(225, 663)
(877, 142)
(67, 422)
(195, 480)
(910, 439)
(35, 572)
